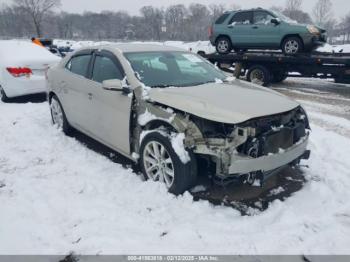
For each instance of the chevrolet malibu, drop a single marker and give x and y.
(166, 108)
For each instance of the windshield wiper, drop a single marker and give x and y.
(184, 85)
(162, 86)
(201, 83)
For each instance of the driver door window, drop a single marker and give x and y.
(105, 69)
(266, 33)
(241, 18)
(262, 18)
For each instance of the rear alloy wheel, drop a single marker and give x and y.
(3, 96)
(159, 162)
(292, 45)
(259, 75)
(58, 116)
(223, 45)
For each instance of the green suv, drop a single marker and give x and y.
(263, 29)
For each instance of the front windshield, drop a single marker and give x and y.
(165, 69)
(284, 18)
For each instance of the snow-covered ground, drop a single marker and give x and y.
(335, 48)
(58, 196)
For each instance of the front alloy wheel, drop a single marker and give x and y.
(292, 45)
(160, 162)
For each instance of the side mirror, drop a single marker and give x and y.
(275, 21)
(231, 25)
(112, 85)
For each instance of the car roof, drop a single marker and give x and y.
(245, 10)
(139, 47)
(19, 53)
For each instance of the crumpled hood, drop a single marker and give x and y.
(231, 103)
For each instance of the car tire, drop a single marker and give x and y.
(223, 45)
(3, 96)
(278, 77)
(292, 45)
(58, 115)
(180, 176)
(259, 75)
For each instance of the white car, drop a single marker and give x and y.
(22, 68)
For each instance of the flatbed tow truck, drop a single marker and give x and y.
(266, 67)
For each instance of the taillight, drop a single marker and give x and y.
(19, 71)
(210, 31)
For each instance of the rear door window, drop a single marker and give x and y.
(79, 65)
(105, 69)
(242, 18)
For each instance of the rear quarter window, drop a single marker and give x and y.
(222, 19)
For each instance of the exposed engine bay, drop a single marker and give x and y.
(257, 138)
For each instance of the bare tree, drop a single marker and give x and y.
(299, 16)
(277, 8)
(216, 10)
(153, 18)
(234, 6)
(175, 17)
(37, 10)
(345, 29)
(294, 11)
(322, 12)
(292, 5)
(340, 32)
(198, 21)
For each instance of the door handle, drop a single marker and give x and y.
(255, 27)
(90, 96)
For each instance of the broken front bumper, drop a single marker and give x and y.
(241, 164)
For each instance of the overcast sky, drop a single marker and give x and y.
(340, 7)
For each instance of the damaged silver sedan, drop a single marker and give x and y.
(166, 109)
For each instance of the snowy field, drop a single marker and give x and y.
(58, 196)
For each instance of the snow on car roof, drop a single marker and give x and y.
(20, 53)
